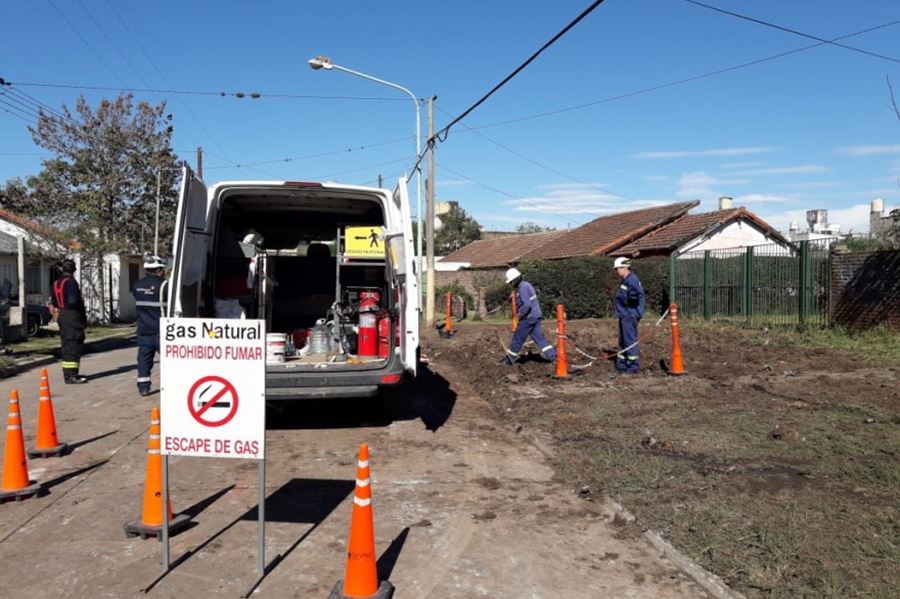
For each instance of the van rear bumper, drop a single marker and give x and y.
(336, 384)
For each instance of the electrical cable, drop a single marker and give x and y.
(442, 134)
(793, 31)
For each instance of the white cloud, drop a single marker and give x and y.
(761, 198)
(813, 185)
(715, 152)
(868, 150)
(453, 183)
(576, 198)
(702, 185)
(786, 170)
(655, 155)
(737, 165)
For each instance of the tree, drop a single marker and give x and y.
(530, 227)
(459, 229)
(100, 185)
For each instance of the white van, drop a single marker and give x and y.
(319, 262)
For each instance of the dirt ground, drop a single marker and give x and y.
(773, 465)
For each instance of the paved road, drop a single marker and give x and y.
(463, 507)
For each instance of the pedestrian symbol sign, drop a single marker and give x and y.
(363, 242)
(212, 401)
(213, 387)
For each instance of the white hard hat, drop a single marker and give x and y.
(622, 261)
(512, 274)
(153, 262)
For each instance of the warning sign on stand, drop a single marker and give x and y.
(213, 375)
(363, 242)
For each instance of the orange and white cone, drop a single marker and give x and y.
(562, 361)
(677, 367)
(151, 522)
(361, 576)
(15, 483)
(46, 444)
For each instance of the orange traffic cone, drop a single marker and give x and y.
(515, 311)
(152, 516)
(47, 443)
(361, 577)
(15, 483)
(562, 362)
(447, 331)
(677, 367)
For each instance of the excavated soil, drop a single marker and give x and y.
(771, 464)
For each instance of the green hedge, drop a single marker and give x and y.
(586, 286)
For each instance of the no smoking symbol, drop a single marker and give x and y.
(212, 401)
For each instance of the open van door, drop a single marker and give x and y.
(190, 246)
(402, 254)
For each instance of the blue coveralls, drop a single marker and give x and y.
(149, 304)
(529, 314)
(629, 311)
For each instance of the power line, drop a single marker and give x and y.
(442, 134)
(86, 42)
(683, 81)
(789, 30)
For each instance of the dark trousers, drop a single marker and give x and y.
(148, 346)
(530, 327)
(71, 336)
(629, 360)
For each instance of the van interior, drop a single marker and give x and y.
(311, 264)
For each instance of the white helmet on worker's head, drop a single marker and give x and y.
(512, 274)
(621, 261)
(152, 262)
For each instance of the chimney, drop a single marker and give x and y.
(876, 215)
(725, 202)
(794, 227)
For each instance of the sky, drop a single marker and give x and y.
(643, 102)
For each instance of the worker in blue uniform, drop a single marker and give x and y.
(629, 303)
(150, 303)
(529, 314)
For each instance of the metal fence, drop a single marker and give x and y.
(770, 284)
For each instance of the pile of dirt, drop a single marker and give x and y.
(772, 465)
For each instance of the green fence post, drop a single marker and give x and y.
(707, 286)
(748, 284)
(804, 282)
(672, 274)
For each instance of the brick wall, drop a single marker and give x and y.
(865, 289)
(471, 279)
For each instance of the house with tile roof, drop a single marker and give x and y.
(500, 251)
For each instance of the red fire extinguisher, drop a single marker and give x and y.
(368, 308)
(384, 334)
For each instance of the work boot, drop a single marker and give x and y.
(75, 379)
(506, 361)
(144, 391)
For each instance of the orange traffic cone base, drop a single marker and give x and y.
(139, 529)
(385, 591)
(20, 494)
(50, 452)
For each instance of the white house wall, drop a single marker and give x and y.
(737, 234)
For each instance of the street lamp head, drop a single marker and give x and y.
(320, 62)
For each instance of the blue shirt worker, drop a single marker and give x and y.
(149, 305)
(529, 313)
(629, 310)
(72, 319)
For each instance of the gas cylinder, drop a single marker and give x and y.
(368, 309)
(384, 334)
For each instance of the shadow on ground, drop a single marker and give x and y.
(428, 397)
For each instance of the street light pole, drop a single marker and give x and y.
(323, 62)
(156, 230)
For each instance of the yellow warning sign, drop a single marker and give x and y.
(363, 242)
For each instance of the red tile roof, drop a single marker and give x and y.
(669, 237)
(39, 229)
(603, 235)
(487, 253)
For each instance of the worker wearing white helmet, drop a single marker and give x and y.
(629, 304)
(529, 314)
(150, 303)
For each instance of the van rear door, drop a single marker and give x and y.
(191, 245)
(401, 250)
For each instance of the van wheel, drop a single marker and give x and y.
(32, 327)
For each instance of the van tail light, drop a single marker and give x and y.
(302, 184)
(391, 379)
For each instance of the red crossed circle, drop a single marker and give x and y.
(204, 406)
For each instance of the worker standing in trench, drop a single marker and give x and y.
(529, 313)
(629, 304)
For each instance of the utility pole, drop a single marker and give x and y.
(199, 162)
(156, 230)
(380, 182)
(429, 220)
